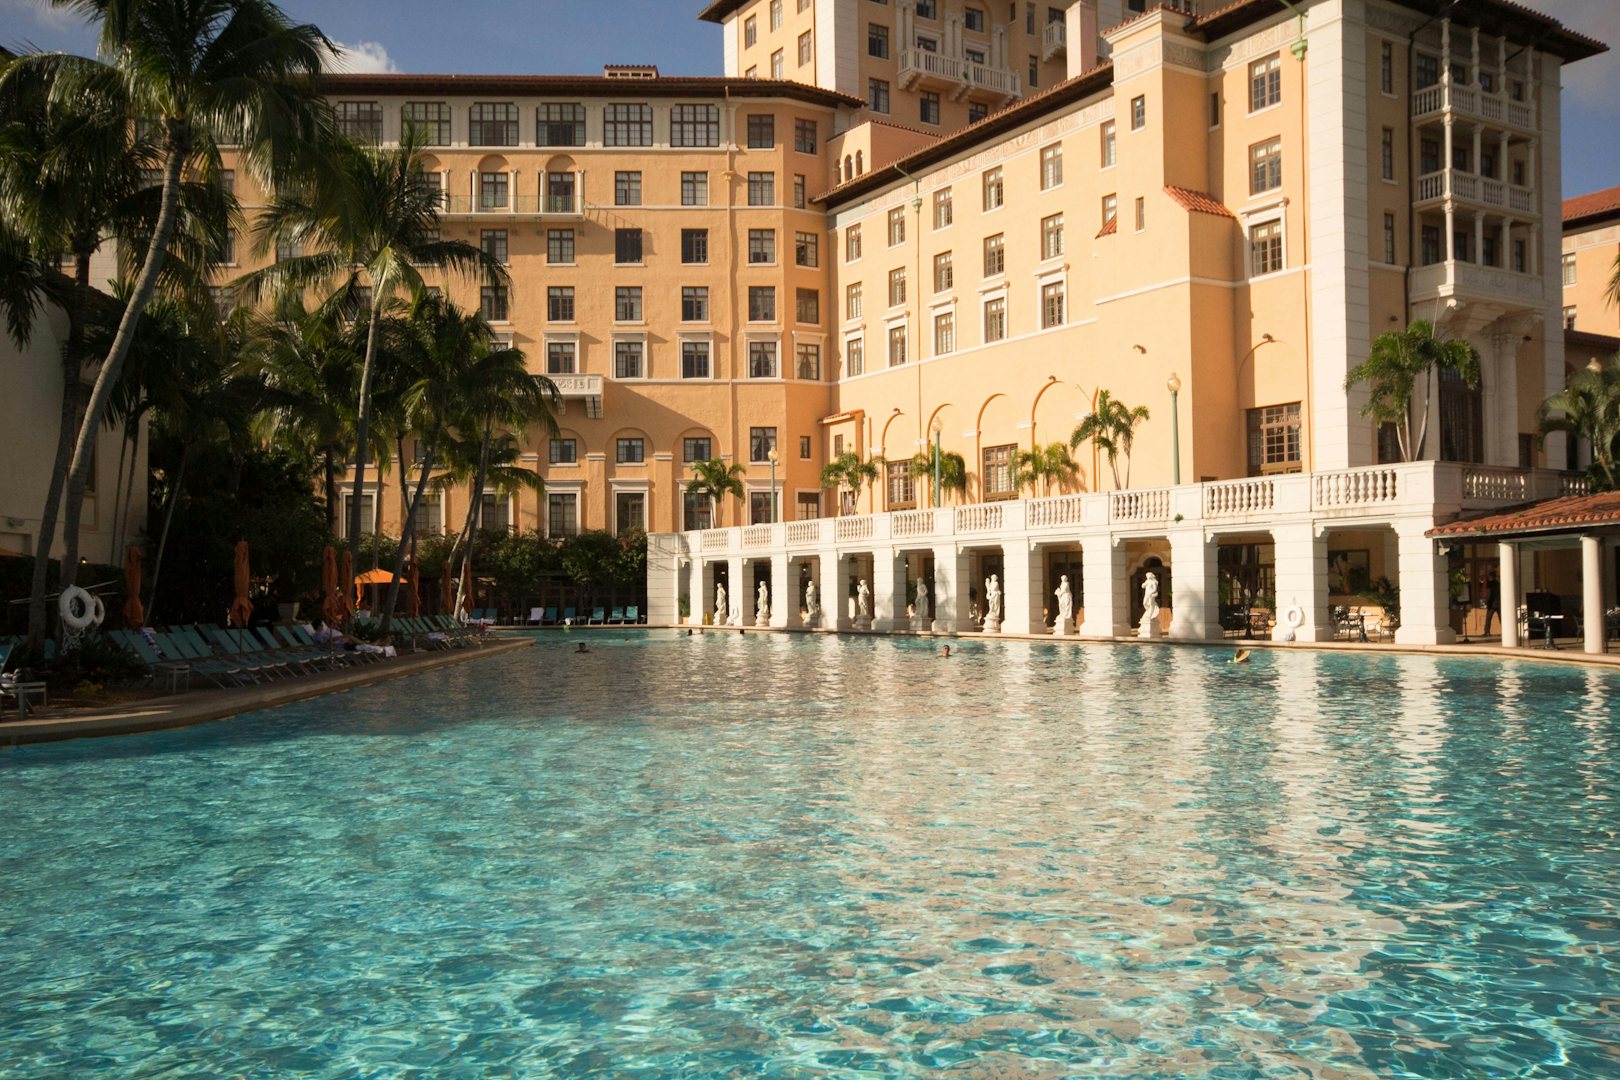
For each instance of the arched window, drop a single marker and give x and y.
(849, 168)
(860, 163)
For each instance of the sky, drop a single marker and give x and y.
(574, 37)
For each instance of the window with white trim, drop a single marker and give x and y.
(1265, 82)
(1051, 166)
(995, 319)
(852, 300)
(944, 333)
(1266, 248)
(1052, 236)
(1052, 303)
(897, 344)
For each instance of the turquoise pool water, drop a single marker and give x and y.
(793, 857)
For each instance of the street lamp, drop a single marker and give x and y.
(1173, 384)
(772, 458)
(937, 426)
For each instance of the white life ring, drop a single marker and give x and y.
(1294, 616)
(77, 608)
(100, 615)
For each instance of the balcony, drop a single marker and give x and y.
(924, 70)
(1472, 103)
(1436, 187)
(586, 388)
(541, 206)
(1054, 40)
(992, 80)
(1468, 281)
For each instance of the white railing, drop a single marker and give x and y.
(1488, 483)
(983, 518)
(1522, 200)
(1054, 39)
(911, 523)
(1492, 108)
(804, 532)
(997, 80)
(1354, 488)
(757, 536)
(1237, 498)
(1059, 511)
(1520, 115)
(1574, 484)
(854, 528)
(1457, 184)
(1129, 506)
(1427, 100)
(930, 63)
(716, 539)
(1458, 277)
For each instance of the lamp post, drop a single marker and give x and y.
(937, 426)
(772, 457)
(1173, 384)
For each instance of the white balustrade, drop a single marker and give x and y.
(716, 539)
(757, 536)
(1575, 484)
(1058, 511)
(1354, 488)
(801, 533)
(1238, 498)
(1485, 483)
(1139, 506)
(908, 524)
(986, 517)
(854, 528)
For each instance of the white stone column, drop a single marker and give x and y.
(735, 587)
(700, 590)
(1592, 593)
(834, 586)
(1194, 587)
(742, 597)
(888, 589)
(784, 591)
(1425, 591)
(952, 571)
(1302, 573)
(1106, 605)
(1020, 588)
(1507, 587)
(664, 579)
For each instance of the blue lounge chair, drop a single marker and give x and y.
(596, 617)
(617, 616)
(632, 614)
(569, 615)
(549, 617)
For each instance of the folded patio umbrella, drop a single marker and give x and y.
(466, 583)
(242, 607)
(413, 599)
(447, 595)
(331, 605)
(134, 613)
(346, 594)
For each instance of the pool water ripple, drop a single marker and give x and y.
(811, 857)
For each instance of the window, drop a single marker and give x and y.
(944, 333)
(560, 303)
(877, 41)
(561, 357)
(804, 136)
(852, 243)
(897, 345)
(977, 110)
(1519, 261)
(1265, 241)
(928, 107)
(1034, 70)
(562, 514)
(806, 53)
(750, 32)
(761, 131)
(493, 189)
(1428, 71)
(993, 190)
(1430, 242)
(761, 189)
(1389, 239)
(696, 448)
(559, 246)
(1265, 82)
(762, 359)
(777, 64)
(1141, 213)
(288, 249)
(695, 509)
(761, 303)
(1051, 305)
(694, 125)
(776, 14)
(1568, 267)
(429, 119)
(897, 286)
(902, 492)
(1428, 156)
(492, 124)
(761, 510)
(560, 193)
(1387, 154)
(761, 441)
(1274, 439)
(493, 241)
(1029, 16)
(560, 123)
(627, 362)
(807, 363)
(228, 256)
(694, 303)
(852, 301)
(877, 95)
(799, 193)
(1386, 67)
(995, 474)
(359, 120)
(761, 247)
(429, 516)
(627, 303)
(1110, 153)
(627, 189)
(694, 189)
(695, 360)
(630, 451)
(897, 226)
(807, 306)
(995, 255)
(1569, 318)
(432, 183)
(1138, 112)
(1265, 166)
(495, 512)
(631, 508)
(368, 513)
(806, 249)
(855, 356)
(942, 208)
(627, 246)
(1215, 109)
(694, 246)
(1052, 236)
(1051, 166)
(995, 319)
(927, 9)
(493, 303)
(944, 275)
(627, 125)
(973, 19)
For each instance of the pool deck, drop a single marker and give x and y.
(205, 706)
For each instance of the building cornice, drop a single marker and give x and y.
(665, 86)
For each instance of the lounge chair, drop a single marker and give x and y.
(178, 672)
(569, 615)
(535, 615)
(617, 615)
(596, 617)
(176, 648)
(243, 646)
(632, 614)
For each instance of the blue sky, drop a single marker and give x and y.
(579, 36)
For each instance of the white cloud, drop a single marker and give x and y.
(363, 57)
(1592, 83)
(41, 14)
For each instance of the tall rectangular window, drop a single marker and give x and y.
(944, 333)
(877, 41)
(1110, 152)
(852, 243)
(1052, 236)
(1430, 245)
(1052, 305)
(1386, 159)
(627, 362)
(694, 303)
(1265, 166)
(855, 356)
(928, 108)
(897, 226)
(877, 95)
(562, 513)
(761, 441)
(492, 123)
(694, 189)
(1138, 112)
(942, 208)
(897, 286)
(804, 136)
(852, 300)
(493, 191)
(1273, 437)
(995, 319)
(1265, 82)
(560, 303)
(493, 303)
(627, 124)
(493, 242)
(694, 246)
(806, 249)
(1386, 67)
(761, 303)
(630, 511)
(1141, 213)
(627, 246)
(627, 303)
(807, 306)
(761, 247)
(697, 512)
(897, 344)
(359, 120)
(561, 357)
(807, 361)
(1051, 166)
(750, 32)
(761, 131)
(902, 490)
(761, 189)
(993, 190)
(694, 359)
(996, 472)
(995, 255)
(1389, 239)
(430, 119)
(694, 125)
(560, 191)
(560, 123)
(944, 273)
(1265, 244)
(800, 195)
(1567, 268)
(806, 52)
(762, 359)
(627, 189)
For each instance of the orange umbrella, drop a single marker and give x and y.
(371, 577)
(447, 596)
(413, 599)
(331, 604)
(346, 594)
(242, 607)
(134, 613)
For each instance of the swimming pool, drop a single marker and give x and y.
(794, 856)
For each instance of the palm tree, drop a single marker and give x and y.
(1111, 428)
(953, 475)
(714, 480)
(1397, 361)
(371, 225)
(849, 472)
(1044, 466)
(204, 73)
(1590, 407)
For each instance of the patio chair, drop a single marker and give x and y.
(549, 618)
(569, 616)
(535, 615)
(241, 645)
(596, 617)
(617, 615)
(632, 614)
(224, 674)
(177, 672)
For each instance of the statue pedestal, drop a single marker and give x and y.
(812, 620)
(1148, 629)
(992, 625)
(762, 619)
(921, 624)
(863, 622)
(939, 628)
(1064, 628)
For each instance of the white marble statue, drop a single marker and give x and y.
(863, 606)
(722, 613)
(919, 609)
(992, 605)
(1065, 607)
(1150, 607)
(812, 602)
(762, 606)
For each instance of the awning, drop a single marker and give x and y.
(1571, 514)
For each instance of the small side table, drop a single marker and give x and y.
(22, 692)
(175, 673)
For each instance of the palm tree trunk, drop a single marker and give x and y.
(1423, 428)
(331, 493)
(118, 489)
(474, 508)
(163, 539)
(362, 425)
(407, 534)
(175, 152)
(129, 486)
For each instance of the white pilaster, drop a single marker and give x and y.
(1302, 581)
(952, 571)
(1105, 606)
(784, 591)
(1592, 593)
(1425, 590)
(834, 585)
(888, 590)
(1194, 587)
(742, 599)
(1508, 590)
(700, 590)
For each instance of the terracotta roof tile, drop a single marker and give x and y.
(1199, 201)
(596, 85)
(1567, 514)
(1592, 205)
(1110, 227)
